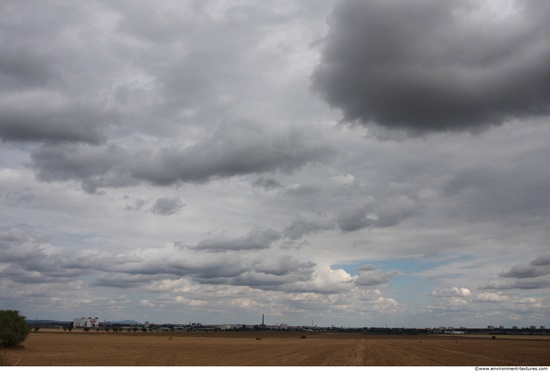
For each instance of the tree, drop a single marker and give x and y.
(13, 328)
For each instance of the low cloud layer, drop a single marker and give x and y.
(434, 66)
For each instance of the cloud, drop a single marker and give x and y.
(28, 258)
(383, 213)
(240, 146)
(540, 266)
(371, 276)
(533, 275)
(167, 206)
(256, 239)
(267, 184)
(434, 66)
(52, 117)
(452, 292)
(324, 279)
(491, 297)
(305, 225)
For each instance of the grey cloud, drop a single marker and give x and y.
(302, 226)
(383, 213)
(540, 266)
(371, 276)
(526, 271)
(237, 148)
(13, 235)
(492, 190)
(123, 280)
(238, 268)
(93, 166)
(36, 119)
(258, 278)
(350, 207)
(541, 260)
(522, 283)
(533, 275)
(25, 260)
(433, 66)
(266, 183)
(167, 206)
(257, 239)
(54, 74)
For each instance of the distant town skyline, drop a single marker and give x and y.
(354, 163)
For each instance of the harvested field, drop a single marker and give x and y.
(273, 349)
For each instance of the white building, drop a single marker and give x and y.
(86, 322)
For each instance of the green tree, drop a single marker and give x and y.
(13, 328)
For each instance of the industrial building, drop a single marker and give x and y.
(86, 322)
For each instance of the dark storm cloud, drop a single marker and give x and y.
(428, 66)
(167, 206)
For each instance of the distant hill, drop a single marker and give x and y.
(123, 322)
(47, 321)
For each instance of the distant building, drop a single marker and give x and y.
(86, 322)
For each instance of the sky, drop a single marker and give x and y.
(347, 163)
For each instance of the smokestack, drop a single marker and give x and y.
(263, 319)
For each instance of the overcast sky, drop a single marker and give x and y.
(355, 163)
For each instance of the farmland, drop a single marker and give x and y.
(57, 348)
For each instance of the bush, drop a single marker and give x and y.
(13, 328)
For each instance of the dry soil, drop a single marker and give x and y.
(273, 349)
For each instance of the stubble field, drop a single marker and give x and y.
(274, 349)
